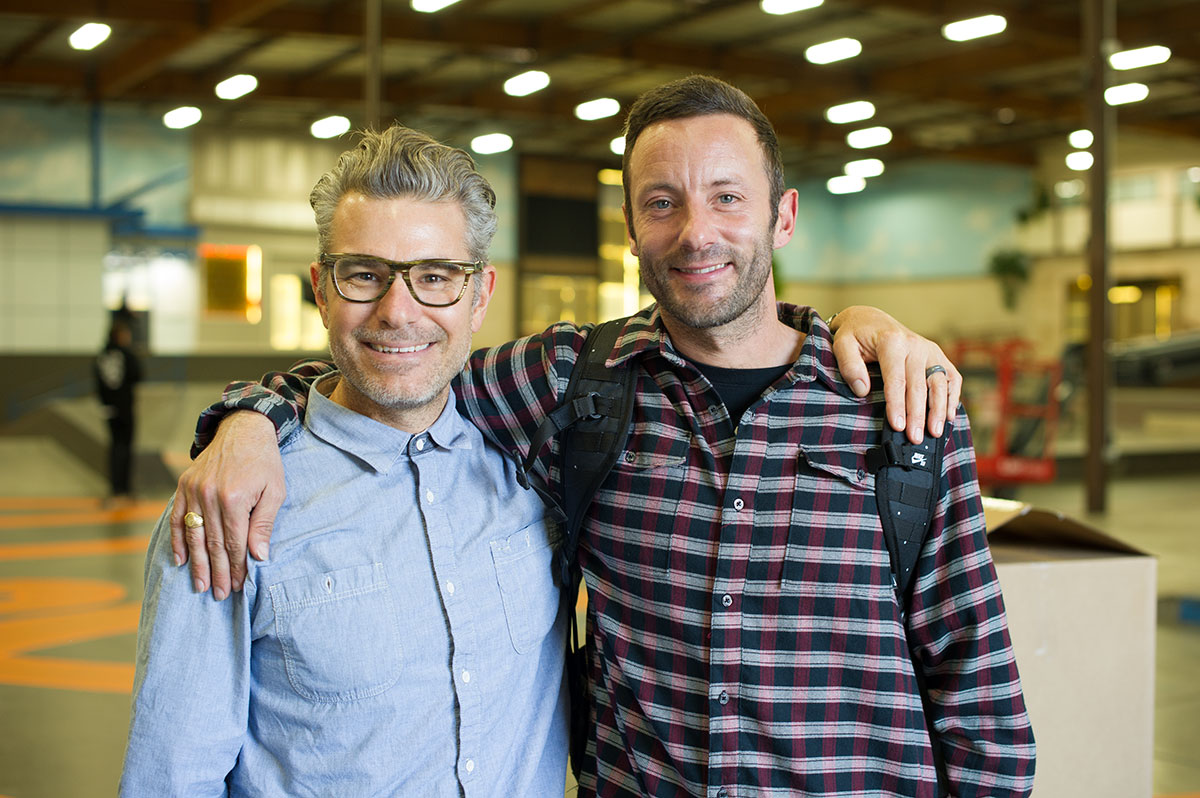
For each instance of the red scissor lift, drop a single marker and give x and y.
(1012, 400)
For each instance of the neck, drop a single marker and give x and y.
(756, 339)
(412, 420)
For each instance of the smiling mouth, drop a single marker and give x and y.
(398, 350)
(704, 269)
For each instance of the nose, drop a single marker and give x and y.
(398, 307)
(698, 229)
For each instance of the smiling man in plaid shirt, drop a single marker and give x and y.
(746, 637)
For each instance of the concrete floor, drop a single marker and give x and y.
(71, 583)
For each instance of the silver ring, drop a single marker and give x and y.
(193, 520)
(929, 372)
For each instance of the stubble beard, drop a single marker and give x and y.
(690, 308)
(376, 385)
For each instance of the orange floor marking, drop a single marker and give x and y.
(146, 511)
(77, 613)
(72, 548)
(49, 503)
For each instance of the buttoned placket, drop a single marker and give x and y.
(434, 495)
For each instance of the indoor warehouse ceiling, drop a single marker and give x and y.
(996, 98)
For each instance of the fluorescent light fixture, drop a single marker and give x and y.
(329, 127)
(184, 116)
(845, 184)
(1124, 294)
(1068, 189)
(1081, 139)
(974, 28)
(836, 50)
(609, 177)
(89, 35)
(431, 6)
(1126, 93)
(1141, 57)
(781, 7)
(237, 86)
(597, 109)
(617, 145)
(1080, 161)
(1193, 174)
(492, 143)
(868, 137)
(526, 83)
(855, 111)
(866, 167)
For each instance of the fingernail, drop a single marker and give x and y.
(178, 560)
(237, 585)
(219, 593)
(937, 428)
(199, 585)
(859, 387)
(263, 551)
(898, 422)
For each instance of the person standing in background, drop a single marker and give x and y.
(118, 370)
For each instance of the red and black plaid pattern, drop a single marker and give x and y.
(747, 641)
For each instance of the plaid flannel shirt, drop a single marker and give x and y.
(746, 637)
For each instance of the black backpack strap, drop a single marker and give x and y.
(593, 418)
(908, 477)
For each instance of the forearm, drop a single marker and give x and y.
(280, 396)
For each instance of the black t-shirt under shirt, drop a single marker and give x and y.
(740, 388)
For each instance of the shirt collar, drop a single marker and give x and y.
(644, 333)
(374, 442)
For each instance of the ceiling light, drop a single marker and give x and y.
(1126, 93)
(856, 111)
(836, 50)
(845, 184)
(329, 127)
(1068, 189)
(609, 177)
(781, 7)
(88, 36)
(526, 83)
(1124, 294)
(184, 116)
(597, 109)
(1081, 139)
(617, 145)
(867, 167)
(869, 137)
(236, 86)
(492, 143)
(1080, 161)
(1141, 57)
(430, 6)
(974, 28)
(1193, 174)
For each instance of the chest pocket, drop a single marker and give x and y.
(524, 572)
(835, 541)
(339, 633)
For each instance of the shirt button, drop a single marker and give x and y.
(862, 474)
(420, 444)
(727, 600)
(429, 495)
(723, 697)
(470, 765)
(722, 793)
(630, 457)
(466, 677)
(450, 588)
(738, 504)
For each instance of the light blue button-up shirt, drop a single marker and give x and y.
(404, 638)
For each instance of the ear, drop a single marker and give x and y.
(629, 230)
(314, 276)
(487, 286)
(785, 224)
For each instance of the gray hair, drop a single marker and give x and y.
(402, 162)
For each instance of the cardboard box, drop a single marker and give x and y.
(1081, 612)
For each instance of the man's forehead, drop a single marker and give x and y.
(723, 147)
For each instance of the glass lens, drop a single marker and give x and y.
(437, 283)
(360, 279)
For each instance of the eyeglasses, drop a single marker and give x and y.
(434, 283)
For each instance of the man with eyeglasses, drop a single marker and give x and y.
(405, 638)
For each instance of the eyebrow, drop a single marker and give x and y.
(722, 182)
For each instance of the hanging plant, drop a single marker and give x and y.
(1011, 268)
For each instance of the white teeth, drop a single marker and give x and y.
(388, 350)
(709, 269)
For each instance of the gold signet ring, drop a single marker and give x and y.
(193, 520)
